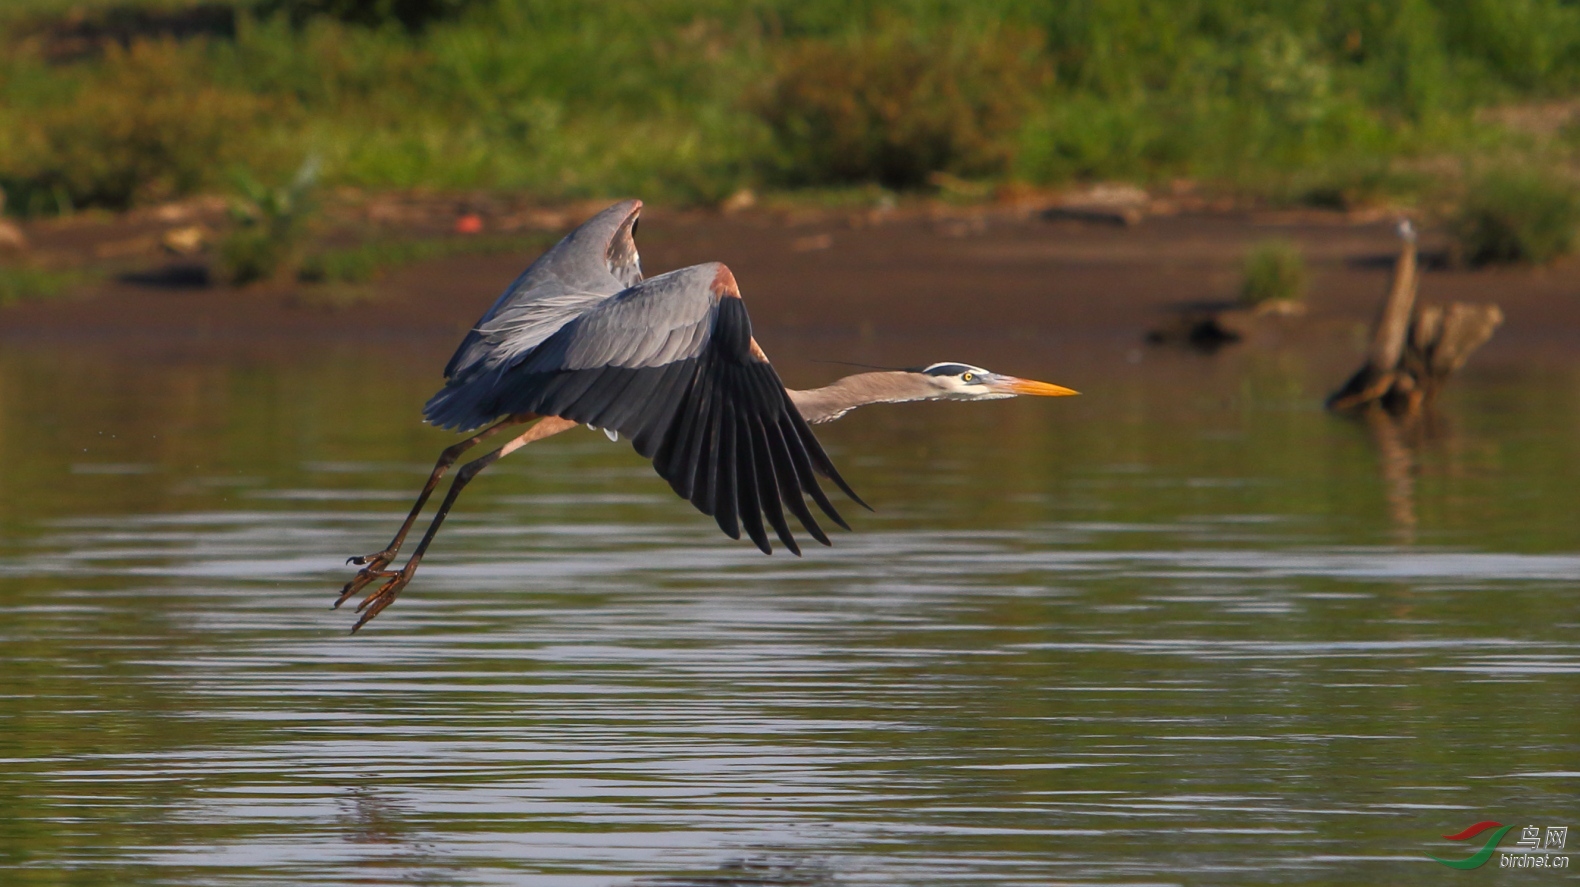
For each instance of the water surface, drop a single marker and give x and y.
(1187, 629)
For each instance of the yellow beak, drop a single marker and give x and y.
(1026, 386)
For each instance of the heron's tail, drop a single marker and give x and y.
(461, 405)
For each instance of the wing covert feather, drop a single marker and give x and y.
(670, 365)
(590, 264)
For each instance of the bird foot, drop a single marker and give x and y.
(365, 576)
(374, 603)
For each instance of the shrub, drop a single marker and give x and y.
(22, 282)
(1274, 270)
(893, 105)
(1516, 216)
(1352, 182)
(270, 226)
(413, 15)
(146, 128)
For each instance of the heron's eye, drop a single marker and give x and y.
(966, 377)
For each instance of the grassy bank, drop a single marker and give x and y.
(1331, 103)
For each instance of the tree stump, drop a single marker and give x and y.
(1414, 350)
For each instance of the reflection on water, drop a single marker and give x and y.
(1185, 629)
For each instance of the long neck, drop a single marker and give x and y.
(832, 401)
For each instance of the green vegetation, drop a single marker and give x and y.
(270, 227)
(345, 277)
(1332, 102)
(414, 15)
(364, 262)
(892, 106)
(22, 282)
(1517, 216)
(1274, 270)
(151, 131)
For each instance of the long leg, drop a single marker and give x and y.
(378, 560)
(375, 602)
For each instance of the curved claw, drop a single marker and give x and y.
(364, 577)
(378, 560)
(374, 604)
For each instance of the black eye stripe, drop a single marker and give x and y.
(948, 369)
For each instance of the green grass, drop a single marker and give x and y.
(1332, 102)
(342, 278)
(1517, 216)
(366, 262)
(24, 282)
(895, 106)
(1274, 271)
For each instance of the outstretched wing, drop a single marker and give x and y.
(671, 364)
(589, 265)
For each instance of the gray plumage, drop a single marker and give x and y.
(670, 364)
(587, 266)
(667, 362)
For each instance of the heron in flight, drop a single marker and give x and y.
(669, 362)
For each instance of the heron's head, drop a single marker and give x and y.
(962, 381)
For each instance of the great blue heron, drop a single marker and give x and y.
(668, 362)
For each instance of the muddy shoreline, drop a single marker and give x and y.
(851, 282)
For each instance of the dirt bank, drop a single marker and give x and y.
(996, 272)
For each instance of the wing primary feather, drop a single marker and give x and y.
(769, 489)
(803, 464)
(705, 494)
(775, 390)
(651, 420)
(791, 483)
(703, 456)
(819, 458)
(675, 438)
(771, 391)
(610, 396)
(759, 397)
(751, 507)
(686, 450)
(666, 404)
(631, 399)
(724, 474)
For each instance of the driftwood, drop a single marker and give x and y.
(1122, 216)
(1212, 325)
(1119, 205)
(1414, 350)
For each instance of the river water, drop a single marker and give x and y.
(1185, 629)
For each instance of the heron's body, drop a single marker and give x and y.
(668, 363)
